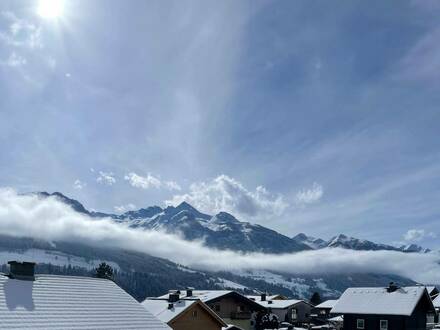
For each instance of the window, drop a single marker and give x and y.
(430, 318)
(294, 314)
(360, 324)
(383, 324)
(194, 314)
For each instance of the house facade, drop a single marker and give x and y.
(322, 311)
(232, 307)
(184, 314)
(391, 308)
(287, 310)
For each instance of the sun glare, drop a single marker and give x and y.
(50, 9)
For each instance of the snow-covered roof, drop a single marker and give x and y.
(159, 308)
(272, 297)
(336, 319)
(203, 295)
(279, 304)
(436, 302)
(70, 302)
(327, 304)
(379, 301)
(431, 289)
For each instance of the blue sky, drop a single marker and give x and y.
(304, 116)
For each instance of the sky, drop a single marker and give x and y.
(302, 116)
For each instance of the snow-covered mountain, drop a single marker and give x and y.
(352, 243)
(224, 231)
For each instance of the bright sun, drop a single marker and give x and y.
(50, 8)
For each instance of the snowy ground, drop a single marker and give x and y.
(51, 257)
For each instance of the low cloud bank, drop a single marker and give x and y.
(49, 219)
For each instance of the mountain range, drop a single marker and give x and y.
(144, 275)
(224, 231)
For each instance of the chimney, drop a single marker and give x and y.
(173, 296)
(263, 296)
(392, 287)
(170, 306)
(22, 270)
(189, 291)
(270, 302)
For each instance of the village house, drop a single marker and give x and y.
(390, 308)
(232, 307)
(322, 311)
(49, 302)
(432, 291)
(267, 297)
(183, 314)
(287, 310)
(436, 303)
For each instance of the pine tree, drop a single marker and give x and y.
(315, 299)
(104, 271)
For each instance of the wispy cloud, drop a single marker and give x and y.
(21, 32)
(29, 216)
(224, 193)
(79, 185)
(106, 178)
(310, 195)
(14, 60)
(125, 208)
(150, 181)
(416, 235)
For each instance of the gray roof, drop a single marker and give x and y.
(327, 304)
(69, 302)
(159, 308)
(378, 301)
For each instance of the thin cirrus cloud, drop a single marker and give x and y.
(150, 181)
(79, 185)
(224, 193)
(125, 208)
(50, 219)
(21, 37)
(416, 235)
(106, 178)
(310, 195)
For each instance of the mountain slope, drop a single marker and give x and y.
(143, 275)
(224, 231)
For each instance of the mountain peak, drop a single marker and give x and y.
(74, 204)
(185, 206)
(224, 217)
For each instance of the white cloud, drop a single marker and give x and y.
(21, 33)
(311, 195)
(150, 181)
(125, 208)
(106, 178)
(14, 60)
(49, 219)
(78, 184)
(416, 235)
(227, 194)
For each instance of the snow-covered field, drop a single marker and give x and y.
(51, 257)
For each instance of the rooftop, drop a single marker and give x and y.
(160, 309)
(70, 302)
(327, 304)
(379, 301)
